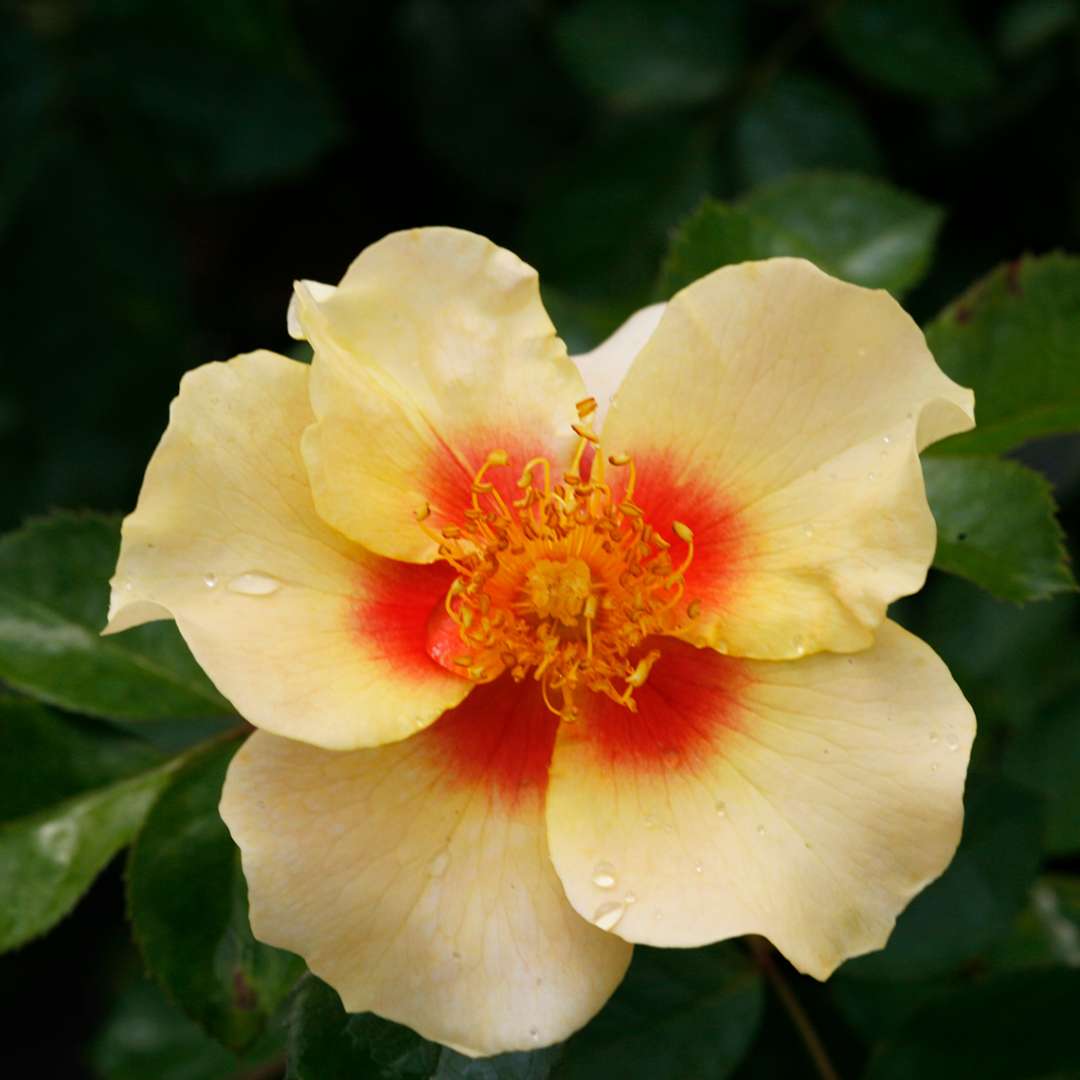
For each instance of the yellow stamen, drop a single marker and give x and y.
(566, 582)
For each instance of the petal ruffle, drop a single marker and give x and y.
(308, 634)
(434, 350)
(779, 413)
(415, 878)
(807, 800)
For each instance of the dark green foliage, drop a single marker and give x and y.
(169, 169)
(54, 595)
(188, 905)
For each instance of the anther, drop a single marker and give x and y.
(683, 532)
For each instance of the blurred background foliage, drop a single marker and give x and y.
(169, 169)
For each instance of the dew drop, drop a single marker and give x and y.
(934, 736)
(439, 864)
(603, 875)
(871, 476)
(698, 868)
(669, 828)
(934, 767)
(455, 955)
(952, 742)
(253, 584)
(799, 646)
(210, 581)
(608, 914)
(721, 809)
(534, 1034)
(650, 821)
(862, 350)
(630, 898)
(808, 532)
(658, 915)
(761, 830)
(128, 586)
(886, 439)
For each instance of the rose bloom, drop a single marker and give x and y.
(551, 656)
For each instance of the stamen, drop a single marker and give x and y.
(566, 582)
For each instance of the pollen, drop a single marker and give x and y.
(562, 579)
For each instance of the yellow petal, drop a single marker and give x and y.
(415, 878)
(308, 635)
(804, 800)
(604, 368)
(779, 412)
(434, 350)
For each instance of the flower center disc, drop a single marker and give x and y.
(564, 582)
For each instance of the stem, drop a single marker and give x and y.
(763, 954)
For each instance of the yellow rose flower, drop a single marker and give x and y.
(551, 657)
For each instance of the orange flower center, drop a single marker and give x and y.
(564, 582)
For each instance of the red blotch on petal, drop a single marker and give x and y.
(691, 697)
(499, 739)
(666, 495)
(396, 601)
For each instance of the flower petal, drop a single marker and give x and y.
(415, 878)
(794, 405)
(434, 350)
(807, 801)
(605, 367)
(307, 634)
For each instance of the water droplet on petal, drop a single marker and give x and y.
(658, 915)
(253, 584)
(886, 439)
(534, 1034)
(761, 830)
(439, 864)
(128, 586)
(603, 876)
(210, 581)
(871, 476)
(698, 868)
(608, 914)
(808, 532)
(934, 767)
(455, 955)
(630, 898)
(799, 646)
(650, 821)
(952, 742)
(721, 808)
(934, 736)
(862, 350)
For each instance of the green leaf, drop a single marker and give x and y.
(327, 1043)
(54, 593)
(50, 858)
(679, 1013)
(1010, 1027)
(862, 230)
(922, 48)
(188, 904)
(718, 235)
(1047, 932)
(997, 527)
(1027, 25)
(1044, 757)
(972, 905)
(144, 1035)
(46, 758)
(1014, 337)
(639, 54)
(797, 123)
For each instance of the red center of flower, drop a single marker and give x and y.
(565, 582)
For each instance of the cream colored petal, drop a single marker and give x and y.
(416, 890)
(805, 800)
(789, 407)
(434, 350)
(307, 634)
(604, 368)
